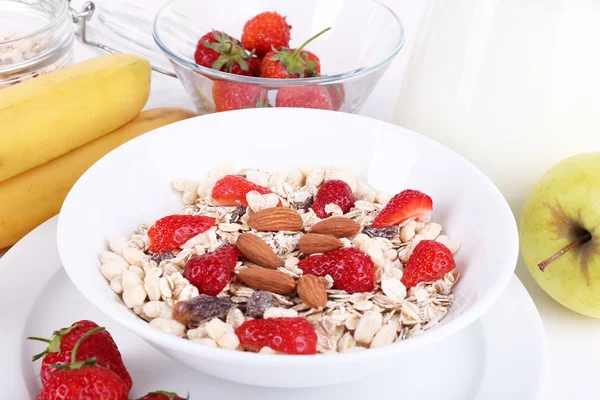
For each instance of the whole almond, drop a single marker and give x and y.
(268, 280)
(256, 250)
(276, 219)
(336, 226)
(316, 243)
(311, 291)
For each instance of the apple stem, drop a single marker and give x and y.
(561, 252)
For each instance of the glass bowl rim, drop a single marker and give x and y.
(325, 79)
(62, 10)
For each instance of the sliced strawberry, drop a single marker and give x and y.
(429, 261)
(211, 272)
(287, 335)
(405, 205)
(170, 232)
(231, 190)
(351, 269)
(333, 191)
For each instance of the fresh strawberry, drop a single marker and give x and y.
(333, 191)
(429, 261)
(217, 50)
(304, 97)
(351, 269)
(337, 93)
(286, 335)
(290, 64)
(84, 379)
(162, 395)
(254, 65)
(231, 190)
(235, 96)
(211, 272)
(172, 231)
(99, 346)
(266, 31)
(405, 205)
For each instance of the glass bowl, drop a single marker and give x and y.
(36, 37)
(364, 37)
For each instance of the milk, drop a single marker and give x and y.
(512, 85)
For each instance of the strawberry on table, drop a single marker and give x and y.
(429, 261)
(305, 97)
(99, 345)
(333, 191)
(231, 190)
(235, 96)
(351, 269)
(266, 31)
(286, 335)
(218, 50)
(172, 231)
(405, 205)
(84, 379)
(211, 272)
(162, 395)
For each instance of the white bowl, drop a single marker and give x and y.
(132, 185)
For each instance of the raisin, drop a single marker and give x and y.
(201, 308)
(389, 232)
(159, 257)
(305, 205)
(258, 303)
(237, 214)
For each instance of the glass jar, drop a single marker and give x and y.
(36, 37)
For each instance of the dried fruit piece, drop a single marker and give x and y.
(305, 205)
(333, 191)
(287, 335)
(311, 291)
(237, 214)
(258, 303)
(160, 257)
(351, 269)
(172, 231)
(336, 226)
(311, 243)
(211, 272)
(389, 232)
(430, 260)
(276, 219)
(267, 279)
(256, 250)
(201, 308)
(405, 205)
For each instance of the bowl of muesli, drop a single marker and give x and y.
(314, 253)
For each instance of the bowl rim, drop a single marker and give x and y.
(61, 12)
(325, 79)
(177, 344)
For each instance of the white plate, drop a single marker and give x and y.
(501, 356)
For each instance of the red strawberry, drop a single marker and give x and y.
(337, 93)
(231, 190)
(172, 231)
(405, 205)
(333, 191)
(351, 269)
(162, 395)
(254, 65)
(211, 272)
(219, 51)
(83, 379)
(99, 346)
(286, 335)
(266, 31)
(429, 261)
(290, 64)
(235, 96)
(304, 97)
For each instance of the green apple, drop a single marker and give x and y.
(560, 233)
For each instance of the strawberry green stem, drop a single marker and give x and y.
(580, 240)
(299, 49)
(39, 339)
(81, 339)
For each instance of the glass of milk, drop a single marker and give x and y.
(512, 85)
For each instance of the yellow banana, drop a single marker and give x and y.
(45, 117)
(30, 198)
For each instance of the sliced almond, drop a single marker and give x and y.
(256, 250)
(276, 219)
(268, 280)
(336, 226)
(316, 243)
(311, 291)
